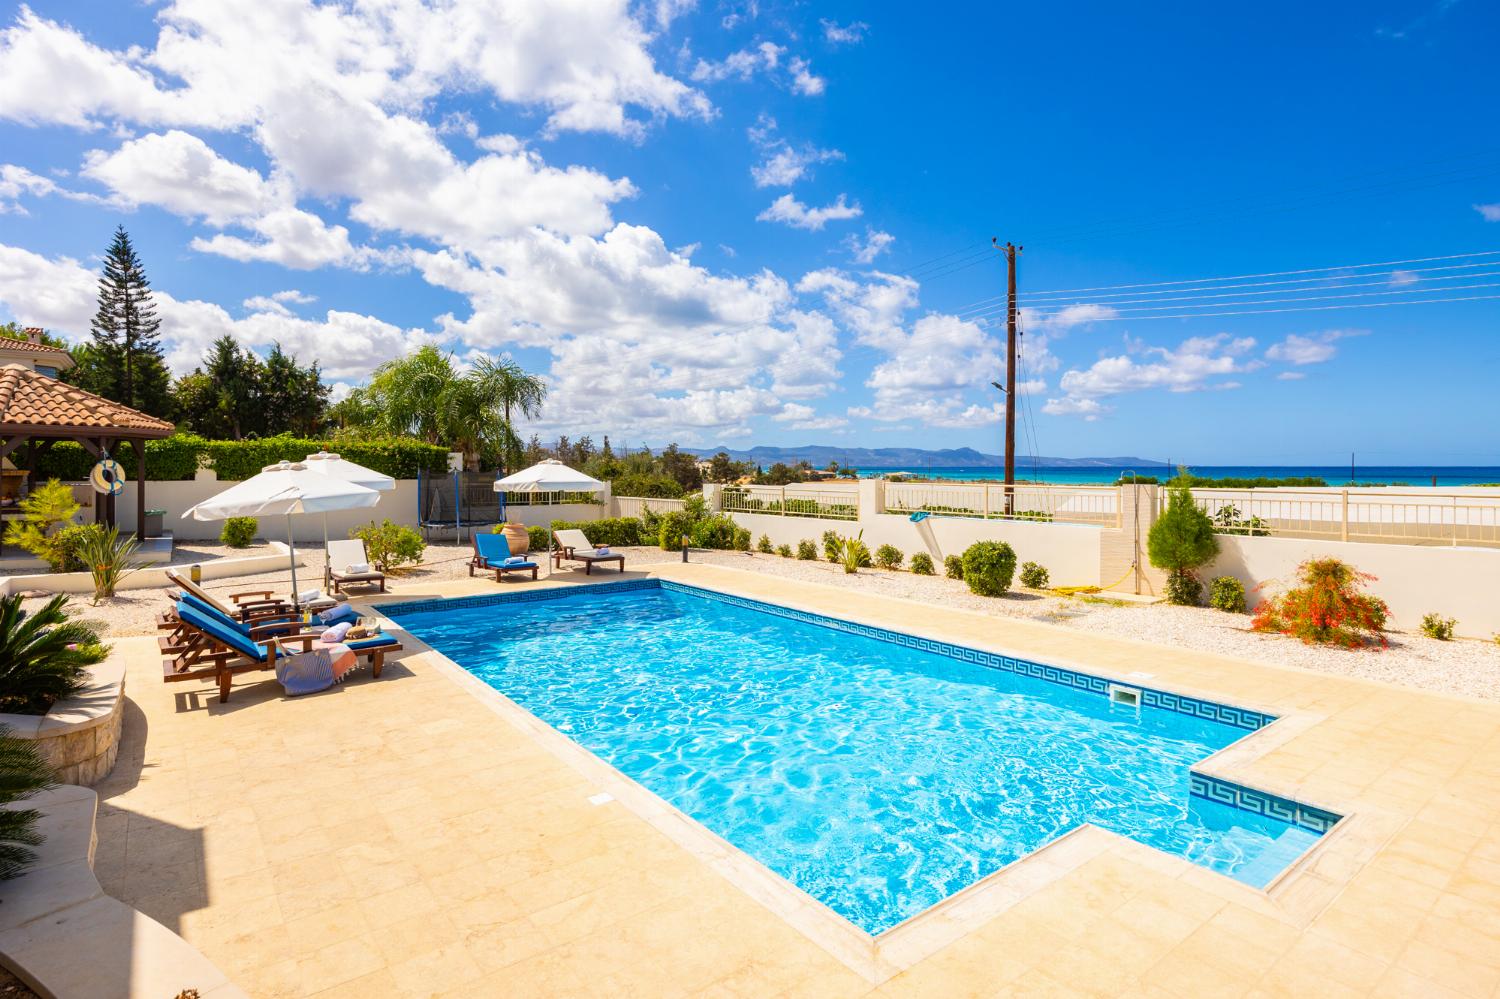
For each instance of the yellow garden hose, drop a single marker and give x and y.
(1069, 591)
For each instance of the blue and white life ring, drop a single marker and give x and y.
(107, 477)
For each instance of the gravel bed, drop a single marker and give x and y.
(1469, 667)
(1466, 667)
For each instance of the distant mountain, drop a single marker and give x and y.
(913, 458)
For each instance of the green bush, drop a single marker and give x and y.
(1181, 540)
(854, 554)
(807, 550)
(988, 567)
(23, 773)
(46, 516)
(1227, 594)
(921, 564)
(889, 557)
(674, 524)
(647, 485)
(720, 533)
(610, 532)
(44, 655)
(785, 551)
(953, 567)
(833, 546)
(764, 546)
(238, 532)
(1034, 576)
(390, 546)
(1328, 608)
(1439, 627)
(537, 538)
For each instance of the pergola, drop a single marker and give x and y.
(37, 410)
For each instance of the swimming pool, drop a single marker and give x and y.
(878, 772)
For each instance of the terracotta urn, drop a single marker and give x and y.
(517, 538)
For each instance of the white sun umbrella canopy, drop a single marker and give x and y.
(285, 489)
(549, 476)
(336, 467)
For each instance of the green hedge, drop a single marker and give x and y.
(609, 532)
(178, 457)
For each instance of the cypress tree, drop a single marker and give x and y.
(124, 361)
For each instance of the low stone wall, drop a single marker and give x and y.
(80, 736)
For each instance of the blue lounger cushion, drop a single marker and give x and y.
(493, 564)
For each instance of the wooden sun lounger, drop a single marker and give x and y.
(571, 546)
(490, 553)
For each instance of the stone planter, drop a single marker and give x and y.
(80, 736)
(517, 538)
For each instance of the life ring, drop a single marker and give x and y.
(107, 478)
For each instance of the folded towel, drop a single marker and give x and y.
(342, 612)
(336, 633)
(309, 596)
(314, 670)
(357, 568)
(516, 560)
(603, 550)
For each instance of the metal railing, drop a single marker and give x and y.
(793, 501)
(1095, 505)
(550, 498)
(1399, 517)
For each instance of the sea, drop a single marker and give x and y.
(1411, 475)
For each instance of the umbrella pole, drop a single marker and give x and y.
(291, 544)
(327, 577)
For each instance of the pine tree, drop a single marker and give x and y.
(125, 362)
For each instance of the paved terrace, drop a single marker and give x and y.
(408, 837)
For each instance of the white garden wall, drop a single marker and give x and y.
(1457, 582)
(1070, 552)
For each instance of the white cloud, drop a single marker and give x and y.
(668, 11)
(1291, 376)
(1401, 279)
(1197, 363)
(277, 302)
(848, 34)
(783, 164)
(803, 79)
(802, 417)
(740, 65)
(1491, 213)
(182, 174)
(874, 244)
(1064, 318)
(1315, 348)
(17, 182)
(794, 213)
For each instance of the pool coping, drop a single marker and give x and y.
(880, 957)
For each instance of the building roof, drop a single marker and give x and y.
(33, 346)
(43, 406)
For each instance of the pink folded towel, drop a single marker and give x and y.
(336, 633)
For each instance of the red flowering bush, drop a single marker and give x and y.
(1328, 608)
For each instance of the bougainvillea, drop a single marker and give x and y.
(1327, 608)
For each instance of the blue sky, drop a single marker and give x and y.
(765, 223)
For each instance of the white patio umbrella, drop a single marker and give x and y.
(549, 476)
(284, 489)
(334, 466)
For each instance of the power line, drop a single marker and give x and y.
(1309, 308)
(1305, 298)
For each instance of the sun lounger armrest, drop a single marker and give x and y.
(256, 597)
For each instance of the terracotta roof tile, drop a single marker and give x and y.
(11, 343)
(29, 399)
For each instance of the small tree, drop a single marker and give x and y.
(23, 773)
(988, 567)
(1182, 540)
(46, 513)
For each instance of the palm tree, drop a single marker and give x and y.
(23, 773)
(518, 391)
(43, 655)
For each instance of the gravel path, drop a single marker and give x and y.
(1470, 668)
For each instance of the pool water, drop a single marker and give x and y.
(878, 778)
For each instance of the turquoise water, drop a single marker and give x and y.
(1412, 475)
(879, 779)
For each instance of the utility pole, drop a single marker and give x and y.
(1011, 251)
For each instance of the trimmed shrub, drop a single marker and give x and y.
(719, 533)
(889, 557)
(1181, 540)
(610, 532)
(646, 485)
(764, 546)
(807, 550)
(953, 567)
(1328, 608)
(44, 655)
(72, 540)
(537, 538)
(785, 551)
(239, 532)
(1034, 576)
(921, 564)
(1436, 626)
(1227, 594)
(988, 567)
(832, 546)
(389, 545)
(674, 524)
(23, 773)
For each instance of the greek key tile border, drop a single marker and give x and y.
(392, 610)
(1273, 806)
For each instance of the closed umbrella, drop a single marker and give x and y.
(336, 467)
(549, 476)
(285, 489)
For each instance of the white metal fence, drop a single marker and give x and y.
(635, 506)
(793, 501)
(1395, 516)
(1096, 505)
